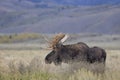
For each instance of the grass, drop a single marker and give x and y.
(29, 65)
(28, 76)
(87, 75)
(18, 37)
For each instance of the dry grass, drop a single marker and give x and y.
(29, 65)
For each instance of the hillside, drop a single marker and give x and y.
(17, 16)
(78, 2)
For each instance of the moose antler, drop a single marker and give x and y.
(57, 39)
(64, 39)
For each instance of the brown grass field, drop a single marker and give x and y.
(23, 64)
(24, 60)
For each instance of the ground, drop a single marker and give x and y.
(28, 64)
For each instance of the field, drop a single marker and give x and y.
(17, 63)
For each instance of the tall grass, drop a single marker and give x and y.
(28, 76)
(84, 74)
(29, 65)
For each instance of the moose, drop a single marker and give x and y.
(73, 52)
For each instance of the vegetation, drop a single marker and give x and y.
(18, 37)
(29, 65)
(26, 76)
(82, 74)
(22, 64)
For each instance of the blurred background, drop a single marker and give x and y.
(27, 27)
(26, 23)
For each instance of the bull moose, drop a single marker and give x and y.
(73, 52)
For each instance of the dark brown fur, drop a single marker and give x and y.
(68, 53)
(73, 52)
(76, 52)
(96, 54)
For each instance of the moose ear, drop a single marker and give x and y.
(64, 39)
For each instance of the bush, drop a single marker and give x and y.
(18, 37)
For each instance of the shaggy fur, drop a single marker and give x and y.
(73, 53)
(96, 54)
(68, 53)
